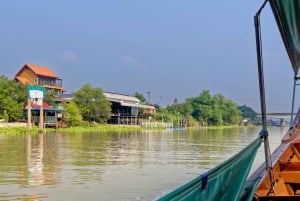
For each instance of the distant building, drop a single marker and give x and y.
(31, 74)
(125, 109)
(39, 75)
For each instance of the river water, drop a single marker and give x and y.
(121, 166)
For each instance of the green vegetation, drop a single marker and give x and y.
(18, 130)
(72, 116)
(73, 129)
(13, 96)
(50, 97)
(249, 113)
(205, 110)
(100, 128)
(13, 130)
(140, 96)
(92, 104)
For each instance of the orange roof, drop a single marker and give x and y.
(22, 80)
(41, 70)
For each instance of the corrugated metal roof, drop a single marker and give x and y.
(120, 97)
(147, 106)
(124, 100)
(138, 105)
(128, 104)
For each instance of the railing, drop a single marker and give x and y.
(50, 82)
(156, 124)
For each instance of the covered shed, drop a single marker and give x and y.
(52, 116)
(125, 109)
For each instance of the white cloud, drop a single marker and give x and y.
(68, 56)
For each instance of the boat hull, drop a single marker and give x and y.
(284, 180)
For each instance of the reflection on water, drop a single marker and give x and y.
(35, 161)
(114, 166)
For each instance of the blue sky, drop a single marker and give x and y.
(171, 48)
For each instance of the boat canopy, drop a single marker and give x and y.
(287, 16)
(224, 182)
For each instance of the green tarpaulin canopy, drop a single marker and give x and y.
(287, 16)
(225, 182)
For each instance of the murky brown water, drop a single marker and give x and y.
(114, 166)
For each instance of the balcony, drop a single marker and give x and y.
(50, 83)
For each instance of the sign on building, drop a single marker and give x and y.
(36, 94)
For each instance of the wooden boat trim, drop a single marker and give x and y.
(285, 167)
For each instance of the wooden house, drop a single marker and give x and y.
(126, 109)
(39, 75)
(31, 74)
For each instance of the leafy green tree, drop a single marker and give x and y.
(191, 121)
(71, 114)
(218, 110)
(50, 97)
(181, 112)
(140, 96)
(5, 116)
(163, 115)
(202, 107)
(13, 97)
(232, 113)
(214, 110)
(92, 104)
(247, 112)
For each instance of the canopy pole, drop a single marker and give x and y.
(260, 67)
(264, 132)
(293, 101)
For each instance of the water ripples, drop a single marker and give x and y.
(110, 166)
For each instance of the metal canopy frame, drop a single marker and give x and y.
(286, 30)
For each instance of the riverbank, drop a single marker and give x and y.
(20, 129)
(103, 128)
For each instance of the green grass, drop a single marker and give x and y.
(96, 128)
(102, 128)
(218, 127)
(18, 130)
(77, 129)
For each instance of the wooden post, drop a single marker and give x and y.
(41, 124)
(28, 126)
(56, 120)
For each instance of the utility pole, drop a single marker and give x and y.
(148, 96)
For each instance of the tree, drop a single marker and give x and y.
(183, 112)
(163, 115)
(214, 110)
(50, 97)
(92, 104)
(202, 107)
(71, 114)
(232, 113)
(13, 96)
(140, 96)
(248, 113)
